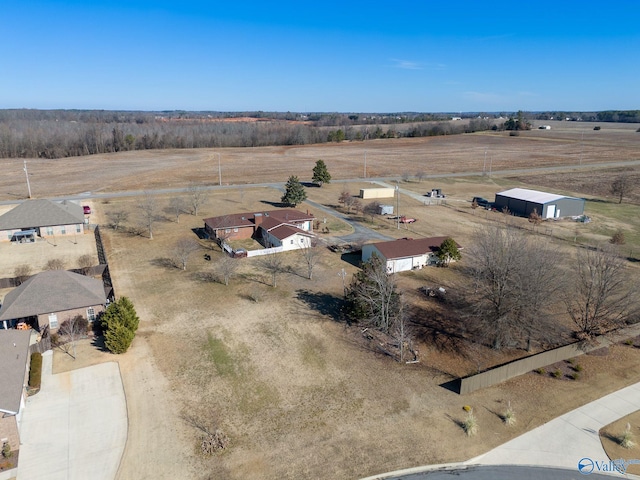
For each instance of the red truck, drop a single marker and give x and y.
(404, 219)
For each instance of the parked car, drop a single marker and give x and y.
(87, 209)
(407, 220)
(481, 202)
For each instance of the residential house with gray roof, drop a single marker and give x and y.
(14, 359)
(49, 298)
(41, 218)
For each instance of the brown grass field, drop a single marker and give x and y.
(299, 394)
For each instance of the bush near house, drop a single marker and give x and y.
(119, 323)
(35, 372)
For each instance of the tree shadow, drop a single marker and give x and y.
(310, 184)
(163, 262)
(98, 343)
(324, 303)
(275, 204)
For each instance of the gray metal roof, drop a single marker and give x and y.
(14, 352)
(52, 291)
(42, 213)
(531, 195)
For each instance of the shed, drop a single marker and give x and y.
(385, 209)
(384, 192)
(522, 201)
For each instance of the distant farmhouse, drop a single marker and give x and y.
(41, 218)
(287, 228)
(406, 253)
(521, 201)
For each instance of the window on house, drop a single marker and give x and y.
(53, 320)
(235, 230)
(227, 230)
(291, 242)
(63, 230)
(49, 230)
(91, 314)
(78, 228)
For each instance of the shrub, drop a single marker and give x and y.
(557, 373)
(578, 368)
(540, 371)
(35, 372)
(509, 415)
(628, 341)
(514, 133)
(597, 127)
(6, 450)
(618, 238)
(470, 425)
(575, 376)
(626, 439)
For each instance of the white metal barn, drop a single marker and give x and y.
(522, 201)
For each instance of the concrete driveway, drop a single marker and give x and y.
(76, 426)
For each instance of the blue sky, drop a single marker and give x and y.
(355, 56)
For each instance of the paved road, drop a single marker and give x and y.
(504, 473)
(75, 428)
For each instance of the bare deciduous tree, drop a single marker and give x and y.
(372, 209)
(603, 293)
(226, 267)
(310, 254)
(85, 262)
(420, 174)
(73, 329)
(273, 265)
(514, 284)
(344, 197)
(117, 218)
(177, 207)
(621, 186)
(55, 264)
(197, 197)
(149, 210)
(372, 296)
(182, 250)
(22, 273)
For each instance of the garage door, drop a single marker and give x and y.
(403, 264)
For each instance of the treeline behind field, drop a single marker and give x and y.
(58, 134)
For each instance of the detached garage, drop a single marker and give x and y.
(523, 202)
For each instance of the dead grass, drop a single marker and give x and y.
(299, 394)
(610, 438)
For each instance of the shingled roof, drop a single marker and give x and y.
(409, 247)
(284, 215)
(42, 213)
(14, 352)
(52, 291)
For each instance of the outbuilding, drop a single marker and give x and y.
(522, 201)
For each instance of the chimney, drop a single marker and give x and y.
(257, 219)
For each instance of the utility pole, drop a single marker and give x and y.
(27, 175)
(219, 170)
(365, 164)
(342, 273)
(397, 207)
(484, 165)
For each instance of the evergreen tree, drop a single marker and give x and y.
(119, 322)
(118, 338)
(294, 192)
(320, 173)
(448, 251)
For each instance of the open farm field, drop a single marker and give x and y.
(299, 392)
(566, 144)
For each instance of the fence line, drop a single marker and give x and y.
(515, 368)
(264, 251)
